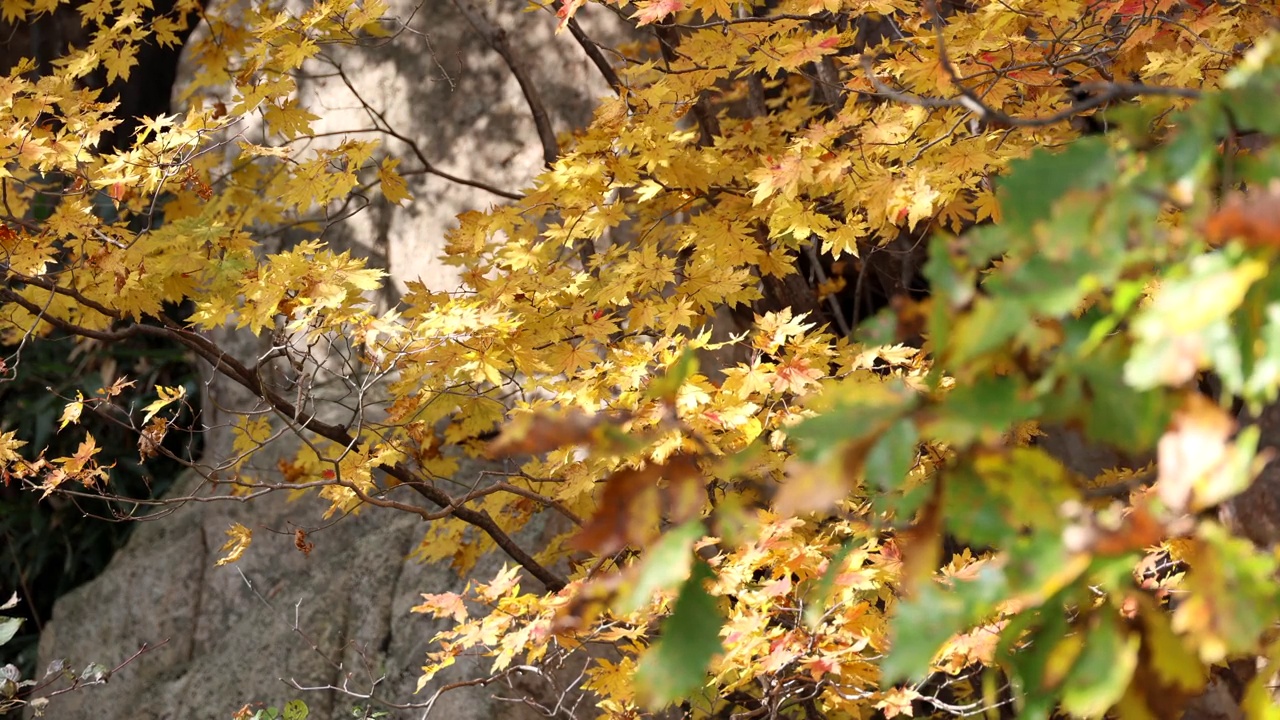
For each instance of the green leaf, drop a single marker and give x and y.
(1033, 185)
(8, 628)
(1103, 669)
(677, 665)
(1026, 645)
(973, 511)
(665, 564)
(859, 417)
(932, 614)
(952, 286)
(887, 465)
(988, 326)
(891, 458)
(1252, 106)
(296, 710)
(1257, 330)
(983, 409)
(1114, 412)
(95, 672)
(1191, 153)
(1032, 486)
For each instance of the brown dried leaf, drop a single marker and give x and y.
(300, 541)
(633, 505)
(533, 434)
(152, 436)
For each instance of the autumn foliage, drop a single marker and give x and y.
(777, 340)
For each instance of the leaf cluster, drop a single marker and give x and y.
(673, 332)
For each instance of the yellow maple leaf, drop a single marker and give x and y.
(8, 444)
(71, 413)
(393, 185)
(167, 395)
(239, 539)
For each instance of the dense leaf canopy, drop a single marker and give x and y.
(782, 338)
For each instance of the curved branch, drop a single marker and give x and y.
(496, 37)
(235, 370)
(597, 58)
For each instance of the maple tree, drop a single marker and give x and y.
(800, 301)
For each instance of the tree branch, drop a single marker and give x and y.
(708, 123)
(1104, 92)
(496, 37)
(233, 369)
(597, 58)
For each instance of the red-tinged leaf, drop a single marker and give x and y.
(821, 666)
(796, 376)
(566, 12)
(656, 10)
(507, 579)
(778, 587)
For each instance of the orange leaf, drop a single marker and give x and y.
(1253, 218)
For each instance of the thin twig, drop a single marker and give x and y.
(1102, 93)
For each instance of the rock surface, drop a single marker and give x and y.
(228, 636)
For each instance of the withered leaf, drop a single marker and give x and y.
(533, 434)
(634, 503)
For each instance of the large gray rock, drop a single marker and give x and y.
(223, 637)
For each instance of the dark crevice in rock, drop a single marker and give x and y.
(206, 560)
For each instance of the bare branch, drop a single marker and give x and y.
(597, 58)
(496, 37)
(380, 122)
(1098, 94)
